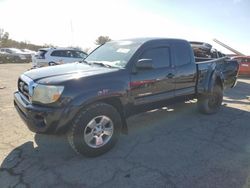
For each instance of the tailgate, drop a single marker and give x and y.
(230, 72)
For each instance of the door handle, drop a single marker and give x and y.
(170, 75)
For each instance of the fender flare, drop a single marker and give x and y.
(216, 77)
(86, 101)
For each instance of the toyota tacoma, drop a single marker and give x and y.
(90, 100)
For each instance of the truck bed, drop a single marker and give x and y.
(224, 66)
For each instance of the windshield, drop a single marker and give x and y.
(114, 54)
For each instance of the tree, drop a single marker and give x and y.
(1, 33)
(76, 47)
(7, 42)
(4, 37)
(86, 50)
(102, 40)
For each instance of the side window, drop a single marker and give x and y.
(57, 53)
(8, 51)
(67, 53)
(160, 56)
(82, 54)
(182, 54)
(75, 54)
(78, 54)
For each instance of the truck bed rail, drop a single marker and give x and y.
(199, 60)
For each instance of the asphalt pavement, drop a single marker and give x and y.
(173, 147)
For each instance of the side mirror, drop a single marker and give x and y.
(144, 64)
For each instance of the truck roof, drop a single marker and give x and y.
(148, 39)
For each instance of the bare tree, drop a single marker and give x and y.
(1, 33)
(86, 50)
(102, 40)
(4, 37)
(76, 47)
(6, 41)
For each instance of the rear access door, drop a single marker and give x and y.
(185, 69)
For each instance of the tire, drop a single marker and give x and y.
(52, 63)
(87, 135)
(211, 103)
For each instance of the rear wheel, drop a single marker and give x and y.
(211, 103)
(95, 130)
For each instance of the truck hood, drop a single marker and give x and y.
(61, 73)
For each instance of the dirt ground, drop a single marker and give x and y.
(177, 147)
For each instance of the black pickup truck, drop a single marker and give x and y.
(90, 100)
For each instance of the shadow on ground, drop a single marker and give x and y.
(241, 92)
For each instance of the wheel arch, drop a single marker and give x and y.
(114, 101)
(217, 78)
(117, 104)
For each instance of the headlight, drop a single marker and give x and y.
(46, 94)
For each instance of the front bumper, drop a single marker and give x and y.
(39, 119)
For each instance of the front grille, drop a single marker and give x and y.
(23, 88)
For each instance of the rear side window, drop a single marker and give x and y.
(160, 56)
(182, 54)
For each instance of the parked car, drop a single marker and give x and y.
(55, 56)
(16, 55)
(27, 51)
(91, 100)
(244, 62)
(4, 57)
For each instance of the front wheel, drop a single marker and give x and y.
(95, 130)
(52, 63)
(211, 103)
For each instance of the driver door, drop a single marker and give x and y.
(156, 84)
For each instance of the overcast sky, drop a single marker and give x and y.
(80, 22)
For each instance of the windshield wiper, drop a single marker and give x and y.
(102, 64)
(84, 61)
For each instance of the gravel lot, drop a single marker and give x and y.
(178, 148)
